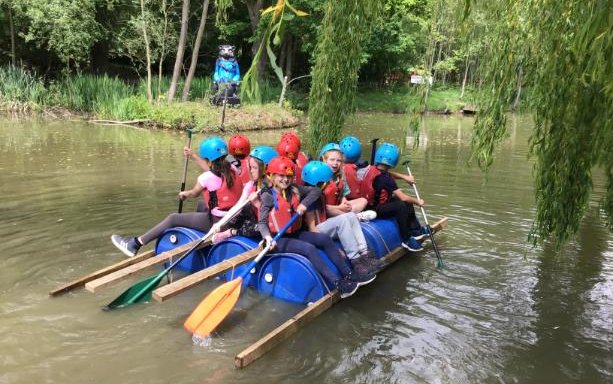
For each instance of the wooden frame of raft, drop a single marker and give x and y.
(296, 322)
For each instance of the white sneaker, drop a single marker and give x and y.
(367, 215)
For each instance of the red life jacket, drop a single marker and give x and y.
(244, 175)
(298, 175)
(333, 193)
(225, 197)
(361, 188)
(302, 159)
(283, 211)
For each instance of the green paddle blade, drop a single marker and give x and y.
(138, 293)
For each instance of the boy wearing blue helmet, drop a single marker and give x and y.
(391, 202)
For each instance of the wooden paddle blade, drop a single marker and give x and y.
(214, 308)
(137, 293)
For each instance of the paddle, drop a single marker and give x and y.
(189, 145)
(373, 151)
(217, 305)
(223, 109)
(142, 290)
(423, 212)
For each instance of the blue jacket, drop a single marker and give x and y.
(226, 71)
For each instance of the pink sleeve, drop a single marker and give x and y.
(209, 181)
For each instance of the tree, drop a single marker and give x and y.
(195, 50)
(337, 61)
(176, 73)
(66, 28)
(563, 52)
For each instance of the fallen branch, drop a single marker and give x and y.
(127, 122)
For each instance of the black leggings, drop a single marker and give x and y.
(305, 243)
(201, 221)
(403, 212)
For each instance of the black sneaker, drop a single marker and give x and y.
(126, 245)
(361, 276)
(346, 287)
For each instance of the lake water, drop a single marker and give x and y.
(500, 312)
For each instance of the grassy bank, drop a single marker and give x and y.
(400, 99)
(106, 98)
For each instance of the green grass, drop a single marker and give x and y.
(400, 99)
(19, 85)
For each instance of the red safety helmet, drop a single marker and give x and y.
(282, 166)
(288, 148)
(239, 145)
(291, 136)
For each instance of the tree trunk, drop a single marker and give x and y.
(465, 77)
(162, 50)
(12, 30)
(254, 8)
(172, 90)
(192, 66)
(147, 51)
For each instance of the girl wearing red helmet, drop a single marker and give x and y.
(290, 148)
(239, 148)
(278, 204)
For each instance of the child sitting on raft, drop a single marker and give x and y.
(289, 147)
(238, 148)
(360, 176)
(278, 204)
(337, 189)
(220, 187)
(391, 202)
(245, 224)
(346, 227)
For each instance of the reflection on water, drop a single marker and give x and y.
(500, 311)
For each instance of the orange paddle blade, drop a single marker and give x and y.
(214, 308)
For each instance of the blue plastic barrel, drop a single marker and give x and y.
(177, 236)
(229, 248)
(382, 236)
(290, 277)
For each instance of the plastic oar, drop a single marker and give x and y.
(142, 290)
(217, 305)
(440, 263)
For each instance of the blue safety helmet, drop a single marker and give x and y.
(264, 153)
(315, 172)
(330, 147)
(213, 148)
(352, 149)
(387, 154)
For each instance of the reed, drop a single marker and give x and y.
(19, 85)
(87, 93)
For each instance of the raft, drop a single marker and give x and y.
(285, 276)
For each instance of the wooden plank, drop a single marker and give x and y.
(285, 330)
(130, 270)
(80, 282)
(170, 290)
(291, 326)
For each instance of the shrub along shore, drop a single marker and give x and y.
(111, 99)
(105, 98)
